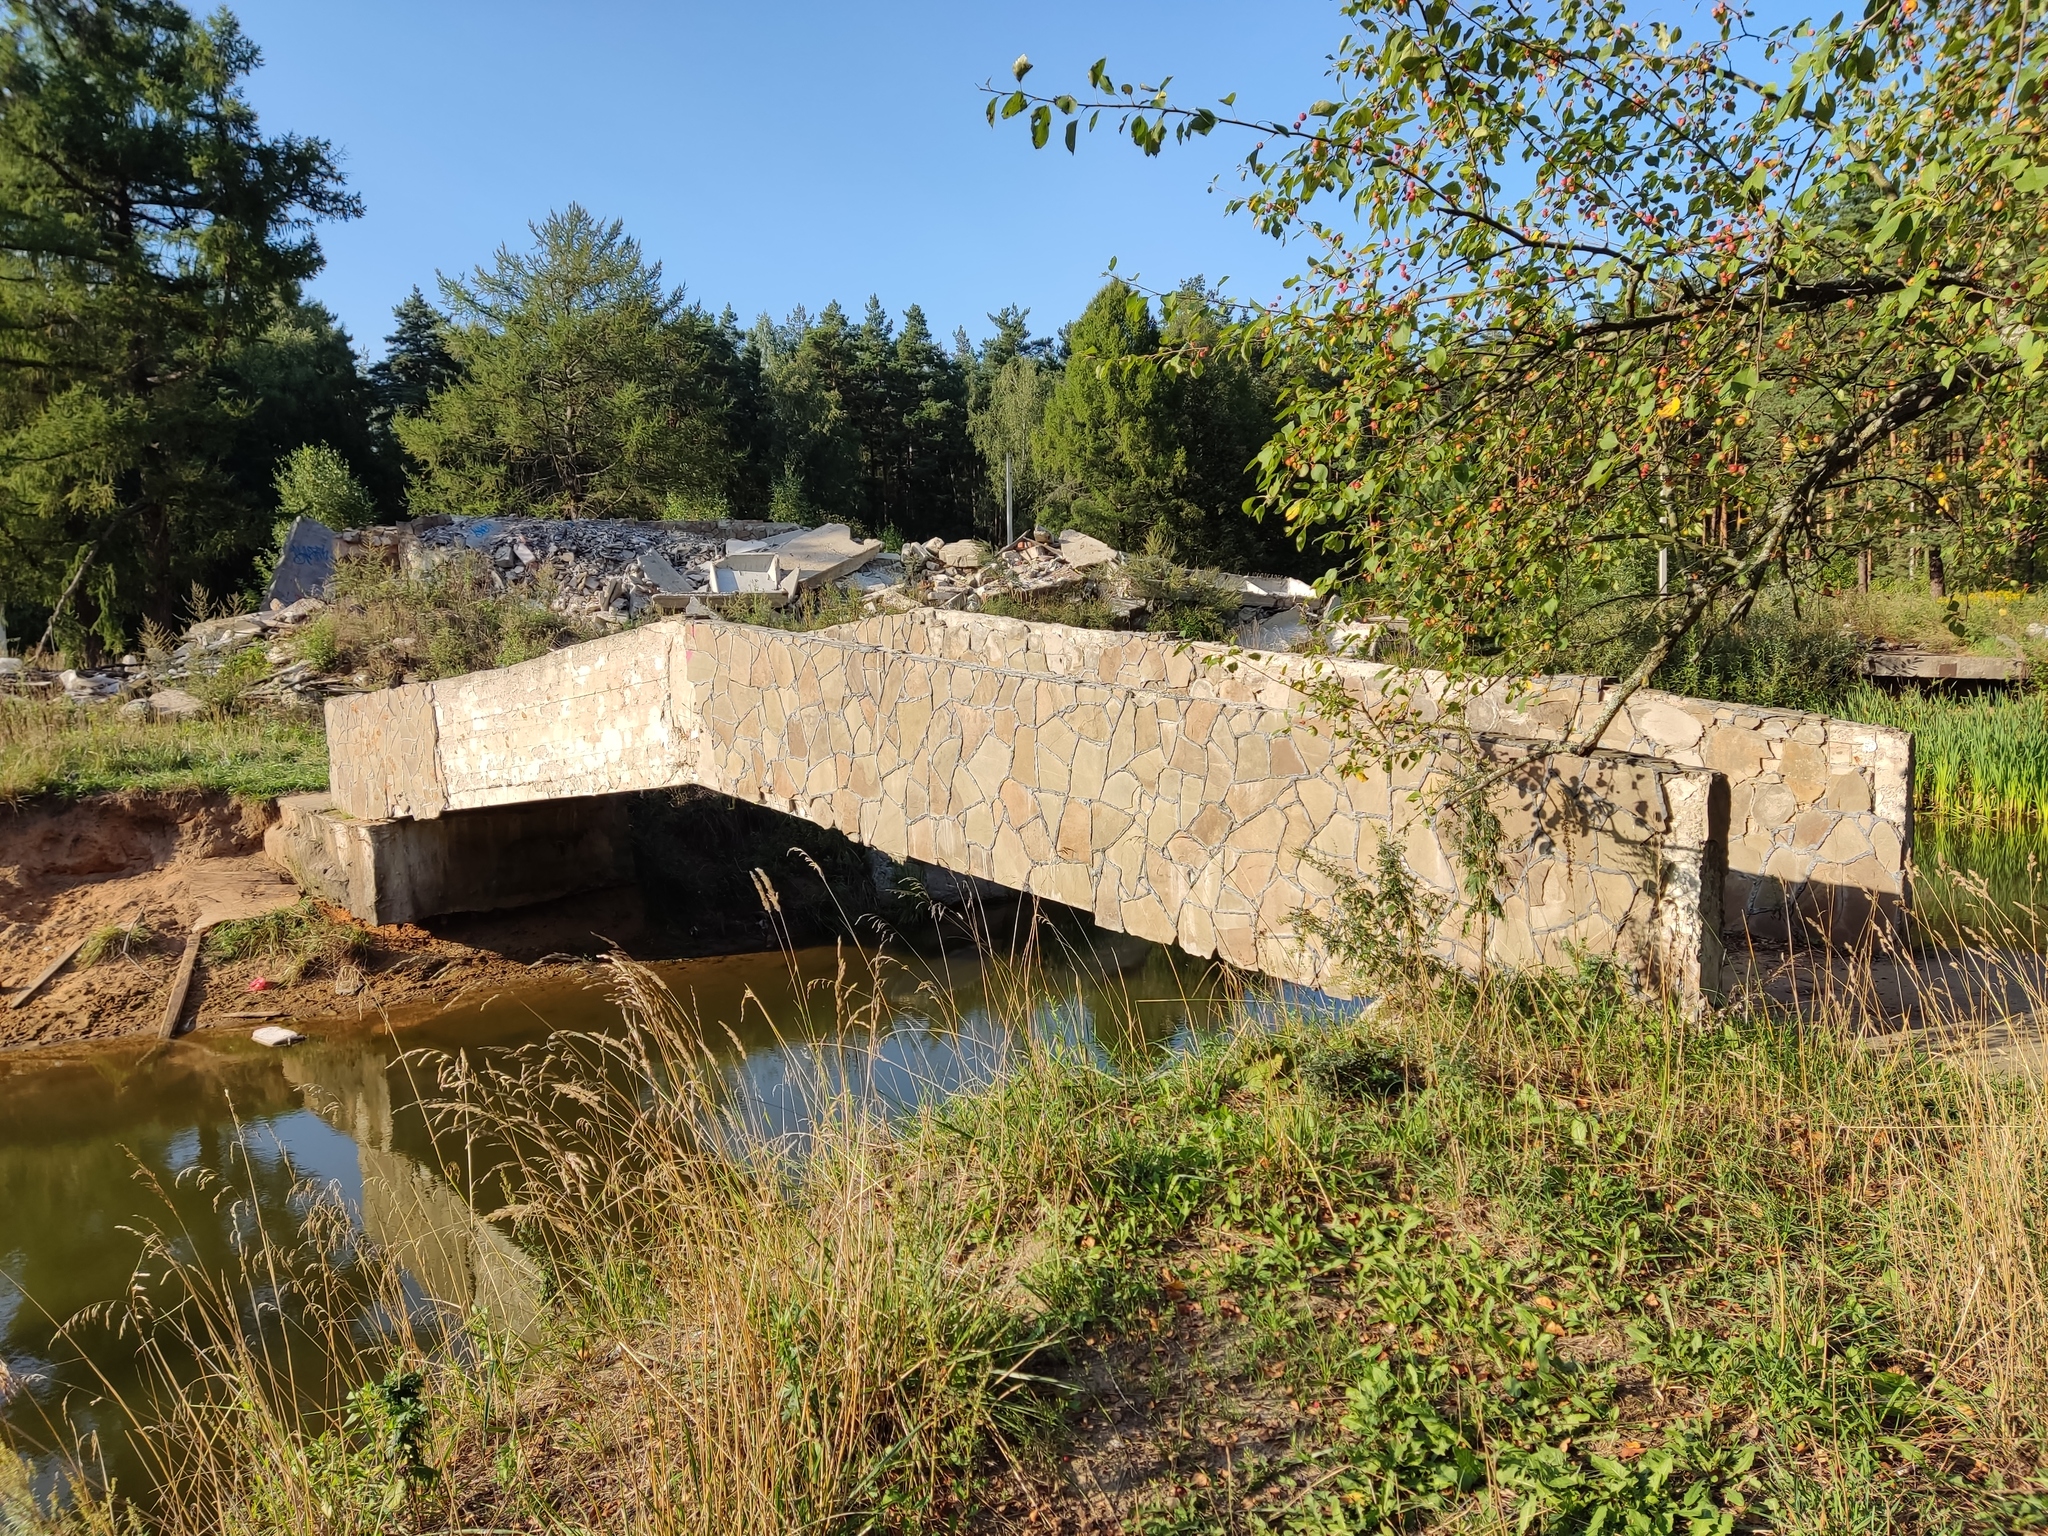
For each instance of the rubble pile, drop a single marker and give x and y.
(1273, 611)
(613, 572)
(156, 685)
(965, 573)
(586, 568)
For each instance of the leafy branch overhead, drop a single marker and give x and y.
(1583, 290)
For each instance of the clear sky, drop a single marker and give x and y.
(777, 152)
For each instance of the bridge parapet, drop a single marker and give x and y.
(1114, 773)
(1820, 809)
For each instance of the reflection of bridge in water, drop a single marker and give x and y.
(409, 1211)
(943, 1026)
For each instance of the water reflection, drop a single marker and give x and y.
(94, 1148)
(1974, 884)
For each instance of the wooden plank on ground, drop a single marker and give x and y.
(50, 970)
(181, 984)
(1935, 666)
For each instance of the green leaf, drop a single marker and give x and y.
(1072, 130)
(1041, 126)
(1015, 104)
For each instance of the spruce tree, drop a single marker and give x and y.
(416, 357)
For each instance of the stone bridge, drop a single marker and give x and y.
(1185, 794)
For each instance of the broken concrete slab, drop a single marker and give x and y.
(166, 704)
(1081, 551)
(306, 565)
(737, 579)
(1281, 631)
(1270, 591)
(821, 555)
(666, 578)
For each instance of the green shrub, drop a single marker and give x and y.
(1194, 605)
(1774, 659)
(236, 675)
(303, 938)
(319, 644)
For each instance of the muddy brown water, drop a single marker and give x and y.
(205, 1137)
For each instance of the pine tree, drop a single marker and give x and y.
(1127, 446)
(150, 235)
(589, 389)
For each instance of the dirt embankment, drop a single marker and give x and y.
(169, 861)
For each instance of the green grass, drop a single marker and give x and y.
(1541, 1258)
(1980, 758)
(114, 941)
(295, 939)
(819, 609)
(74, 750)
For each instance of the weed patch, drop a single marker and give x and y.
(296, 940)
(388, 626)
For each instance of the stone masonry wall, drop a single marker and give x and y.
(1172, 800)
(1820, 813)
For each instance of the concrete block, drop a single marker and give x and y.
(401, 871)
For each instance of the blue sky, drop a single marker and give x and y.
(781, 151)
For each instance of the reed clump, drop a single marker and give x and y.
(297, 940)
(1537, 1255)
(1982, 759)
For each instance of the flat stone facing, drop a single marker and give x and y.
(1819, 814)
(383, 751)
(1114, 773)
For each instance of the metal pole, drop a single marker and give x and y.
(1664, 573)
(1009, 505)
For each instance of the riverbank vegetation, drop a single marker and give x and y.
(1532, 1257)
(68, 750)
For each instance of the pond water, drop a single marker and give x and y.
(204, 1137)
(1980, 885)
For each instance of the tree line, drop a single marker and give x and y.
(168, 394)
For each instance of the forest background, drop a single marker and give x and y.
(169, 398)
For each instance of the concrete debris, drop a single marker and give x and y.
(735, 579)
(1084, 553)
(604, 569)
(306, 564)
(276, 1035)
(150, 688)
(167, 704)
(611, 571)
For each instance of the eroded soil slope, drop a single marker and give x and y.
(169, 861)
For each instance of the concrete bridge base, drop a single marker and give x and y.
(396, 870)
